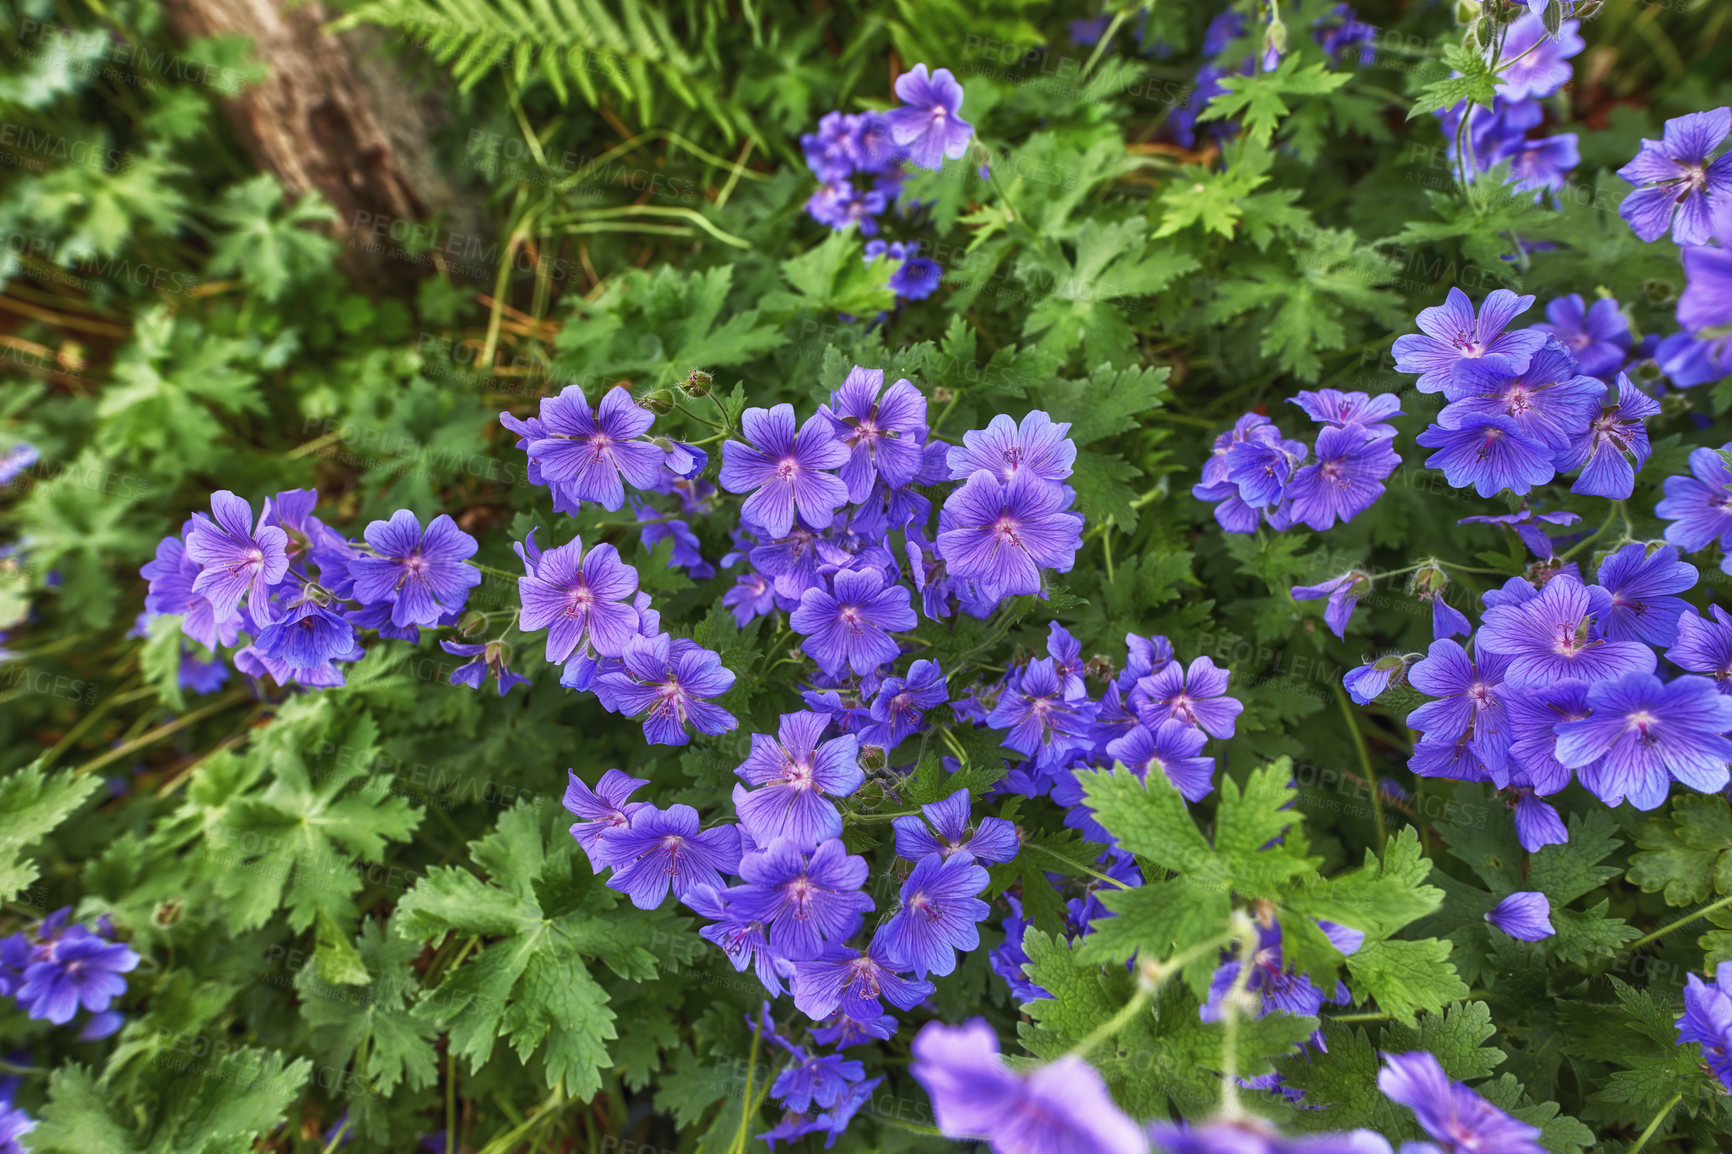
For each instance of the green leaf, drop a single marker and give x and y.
(834, 277)
(1476, 82)
(1456, 1037)
(1404, 977)
(266, 245)
(33, 805)
(1685, 853)
(1259, 101)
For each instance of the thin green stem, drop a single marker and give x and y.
(492, 572)
(1683, 921)
(1617, 511)
(1077, 865)
(1231, 1107)
(1655, 1124)
(1111, 1027)
(739, 1145)
(127, 749)
(1364, 753)
(1118, 22)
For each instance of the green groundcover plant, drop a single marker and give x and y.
(1108, 580)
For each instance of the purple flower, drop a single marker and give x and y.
(1459, 1120)
(79, 968)
(1366, 683)
(902, 702)
(752, 596)
(1544, 165)
(1043, 723)
(938, 916)
(1549, 401)
(1707, 1021)
(586, 452)
(1534, 64)
(1597, 336)
(822, 1079)
(1195, 695)
(1705, 647)
(661, 850)
(1549, 637)
(784, 470)
(1470, 701)
(1641, 585)
(670, 679)
(658, 527)
(1525, 916)
(927, 124)
(798, 776)
(992, 840)
(1643, 733)
(1004, 449)
(488, 657)
(805, 902)
(422, 576)
(1699, 506)
(885, 435)
(916, 277)
(307, 634)
(1534, 715)
(1169, 749)
(1526, 525)
(235, 560)
(1252, 1135)
(1487, 452)
(580, 599)
(1346, 480)
(1343, 592)
(14, 459)
(1674, 175)
(1454, 337)
(1338, 410)
(841, 1031)
(850, 628)
(1061, 1106)
(1260, 468)
(1600, 449)
(1537, 823)
(14, 1124)
(1705, 306)
(744, 941)
(853, 980)
(1001, 535)
(606, 812)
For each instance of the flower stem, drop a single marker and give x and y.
(1683, 921)
(1655, 1124)
(1364, 753)
(739, 1145)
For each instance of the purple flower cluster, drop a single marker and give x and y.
(1256, 475)
(56, 969)
(1520, 409)
(1559, 682)
(1531, 66)
(586, 454)
(858, 159)
(300, 590)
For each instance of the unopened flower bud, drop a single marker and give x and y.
(696, 384)
(472, 623)
(660, 401)
(1429, 579)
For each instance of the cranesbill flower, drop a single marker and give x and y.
(1699, 506)
(1366, 683)
(1487, 452)
(1544, 165)
(308, 633)
(850, 627)
(991, 840)
(1707, 1021)
(1194, 694)
(1261, 469)
(661, 850)
(1705, 646)
(80, 969)
(1644, 733)
(1550, 638)
(587, 451)
(579, 598)
(1042, 722)
(1346, 479)
(1549, 401)
(1343, 592)
(1598, 336)
(171, 575)
(1533, 63)
(821, 1079)
(1537, 823)
(1169, 749)
(1673, 175)
(1470, 693)
(1612, 446)
(1061, 1106)
(1453, 336)
(1339, 410)
(927, 124)
(670, 678)
(1039, 445)
(1459, 1120)
(885, 435)
(744, 941)
(1252, 1135)
(421, 575)
(902, 702)
(806, 902)
(784, 470)
(1642, 585)
(752, 596)
(939, 915)
(853, 980)
(1534, 715)
(606, 811)
(1001, 535)
(486, 657)
(658, 527)
(799, 773)
(236, 560)
(1526, 916)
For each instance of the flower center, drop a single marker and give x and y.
(1006, 529)
(786, 469)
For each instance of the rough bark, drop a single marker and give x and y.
(339, 116)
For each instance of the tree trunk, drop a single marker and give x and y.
(337, 115)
